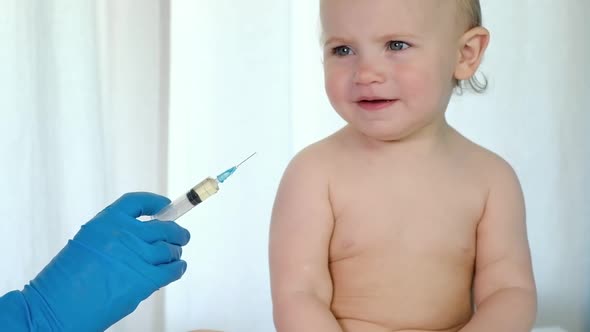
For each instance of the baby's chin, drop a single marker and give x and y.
(404, 126)
(383, 132)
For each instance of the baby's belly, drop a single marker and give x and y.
(351, 325)
(402, 291)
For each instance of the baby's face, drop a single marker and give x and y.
(389, 64)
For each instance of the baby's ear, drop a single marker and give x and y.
(472, 45)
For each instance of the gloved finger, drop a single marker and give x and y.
(170, 272)
(140, 204)
(152, 253)
(168, 231)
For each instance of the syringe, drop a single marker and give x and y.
(195, 195)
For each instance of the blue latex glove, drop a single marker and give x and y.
(112, 264)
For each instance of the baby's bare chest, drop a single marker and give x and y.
(403, 247)
(416, 213)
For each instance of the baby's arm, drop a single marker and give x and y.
(301, 229)
(504, 286)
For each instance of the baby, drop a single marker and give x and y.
(397, 222)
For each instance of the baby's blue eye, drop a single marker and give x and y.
(342, 51)
(396, 45)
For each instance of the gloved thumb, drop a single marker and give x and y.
(139, 204)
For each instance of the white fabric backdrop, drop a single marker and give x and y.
(229, 97)
(81, 109)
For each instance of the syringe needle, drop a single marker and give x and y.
(195, 195)
(223, 176)
(252, 155)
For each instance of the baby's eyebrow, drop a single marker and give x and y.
(336, 40)
(396, 36)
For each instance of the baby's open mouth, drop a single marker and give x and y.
(375, 104)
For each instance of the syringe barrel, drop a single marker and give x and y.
(175, 209)
(192, 198)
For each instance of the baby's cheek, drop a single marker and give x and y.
(420, 85)
(336, 85)
(414, 80)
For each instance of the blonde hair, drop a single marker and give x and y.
(470, 10)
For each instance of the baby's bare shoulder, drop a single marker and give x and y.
(486, 163)
(320, 155)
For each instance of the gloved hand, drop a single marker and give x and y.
(112, 264)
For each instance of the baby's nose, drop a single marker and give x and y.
(369, 72)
